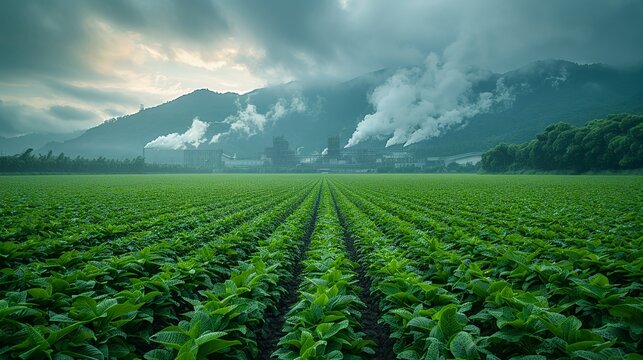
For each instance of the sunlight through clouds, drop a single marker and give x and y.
(153, 51)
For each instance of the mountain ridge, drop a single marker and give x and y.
(546, 91)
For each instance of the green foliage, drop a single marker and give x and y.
(464, 267)
(489, 288)
(27, 162)
(89, 304)
(324, 323)
(613, 143)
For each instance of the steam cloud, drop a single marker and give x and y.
(557, 80)
(194, 136)
(423, 102)
(248, 122)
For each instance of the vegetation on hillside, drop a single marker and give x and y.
(614, 143)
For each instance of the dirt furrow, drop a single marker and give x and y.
(270, 334)
(374, 331)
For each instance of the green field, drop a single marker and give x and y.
(321, 267)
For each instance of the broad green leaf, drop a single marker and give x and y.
(463, 346)
(447, 321)
(172, 338)
(421, 323)
(55, 336)
(327, 330)
(210, 343)
(158, 354)
(408, 355)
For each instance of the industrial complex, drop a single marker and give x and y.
(280, 157)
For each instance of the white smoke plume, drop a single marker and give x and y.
(248, 122)
(557, 80)
(423, 102)
(194, 136)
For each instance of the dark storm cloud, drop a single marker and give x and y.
(19, 119)
(71, 113)
(193, 21)
(305, 39)
(38, 37)
(54, 38)
(118, 53)
(506, 34)
(322, 38)
(308, 37)
(90, 94)
(59, 52)
(289, 29)
(7, 123)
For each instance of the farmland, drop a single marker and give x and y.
(321, 267)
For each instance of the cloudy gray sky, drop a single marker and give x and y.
(69, 65)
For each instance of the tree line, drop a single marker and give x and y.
(28, 162)
(613, 143)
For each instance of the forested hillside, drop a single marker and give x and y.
(613, 143)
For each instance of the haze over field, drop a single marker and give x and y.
(449, 76)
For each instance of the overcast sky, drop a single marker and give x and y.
(70, 64)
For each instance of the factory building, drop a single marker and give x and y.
(163, 156)
(333, 147)
(192, 158)
(280, 153)
(279, 157)
(202, 159)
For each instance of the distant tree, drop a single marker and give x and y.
(499, 158)
(632, 148)
(28, 154)
(28, 162)
(602, 144)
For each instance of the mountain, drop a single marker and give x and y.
(18, 144)
(544, 92)
(126, 136)
(580, 94)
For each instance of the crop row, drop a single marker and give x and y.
(571, 286)
(110, 308)
(230, 320)
(331, 267)
(325, 321)
(96, 238)
(101, 256)
(107, 211)
(521, 317)
(499, 226)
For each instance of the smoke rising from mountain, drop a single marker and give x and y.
(559, 79)
(248, 122)
(423, 102)
(194, 136)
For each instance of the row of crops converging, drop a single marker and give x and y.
(333, 267)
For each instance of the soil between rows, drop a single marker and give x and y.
(274, 319)
(373, 330)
